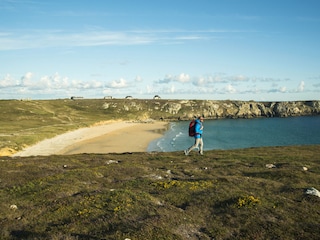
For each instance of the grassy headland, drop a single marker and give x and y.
(221, 195)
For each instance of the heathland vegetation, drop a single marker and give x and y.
(230, 194)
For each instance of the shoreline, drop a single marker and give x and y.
(107, 138)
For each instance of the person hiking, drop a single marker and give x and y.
(198, 141)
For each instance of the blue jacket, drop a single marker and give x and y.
(198, 129)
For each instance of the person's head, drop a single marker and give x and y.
(201, 118)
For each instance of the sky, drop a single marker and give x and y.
(266, 50)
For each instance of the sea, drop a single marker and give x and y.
(242, 133)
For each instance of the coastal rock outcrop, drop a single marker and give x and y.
(211, 109)
(285, 109)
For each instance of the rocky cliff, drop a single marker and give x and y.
(210, 109)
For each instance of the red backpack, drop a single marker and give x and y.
(192, 128)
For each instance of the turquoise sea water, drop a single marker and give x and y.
(243, 133)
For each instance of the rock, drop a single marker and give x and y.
(314, 105)
(270, 165)
(313, 191)
(286, 109)
(213, 109)
(105, 106)
(172, 108)
(111, 161)
(13, 207)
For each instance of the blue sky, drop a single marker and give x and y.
(178, 49)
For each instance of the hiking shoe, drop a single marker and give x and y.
(186, 152)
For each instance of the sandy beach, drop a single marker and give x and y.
(114, 137)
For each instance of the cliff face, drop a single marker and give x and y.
(242, 109)
(186, 109)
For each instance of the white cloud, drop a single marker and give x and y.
(138, 79)
(219, 78)
(108, 91)
(95, 36)
(55, 82)
(230, 89)
(283, 89)
(40, 38)
(301, 86)
(26, 79)
(239, 78)
(149, 89)
(48, 83)
(199, 81)
(8, 81)
(211, 84)
(172, 89)
(92, 84)
(182, 78)
(208, 86)
(120, 83)
(165, 80)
